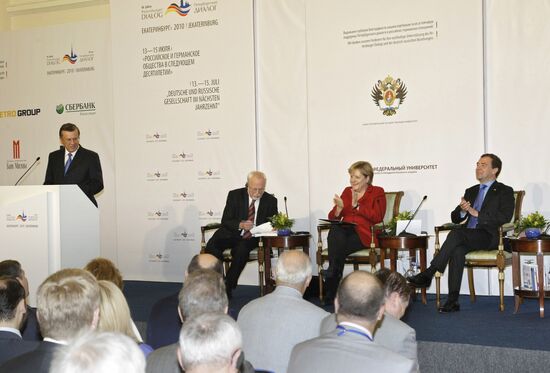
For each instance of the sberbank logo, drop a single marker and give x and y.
(84, 108)
(60, 109)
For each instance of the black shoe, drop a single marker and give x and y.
(450, 306)
(421, 280)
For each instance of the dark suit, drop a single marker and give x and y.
(11, 346)
(229, 235)
(497, 209)
(85, 171)
(30, 329)
(36, 361)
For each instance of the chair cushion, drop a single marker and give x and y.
(486, 255)
(253, 255)
(362, 252)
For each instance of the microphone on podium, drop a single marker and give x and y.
(26, 172)
(404, 232)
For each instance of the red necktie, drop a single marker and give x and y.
(251, 214)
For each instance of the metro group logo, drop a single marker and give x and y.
(182, 9)
(71, 58)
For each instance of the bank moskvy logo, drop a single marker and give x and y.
(388, 94)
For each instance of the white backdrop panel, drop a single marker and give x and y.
(518, 56)
(184, 93)
(431, 143)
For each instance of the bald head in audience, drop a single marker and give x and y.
(204, 261)
(360, 300)
(293, 269)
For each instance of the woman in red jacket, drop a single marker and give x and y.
(361, 204)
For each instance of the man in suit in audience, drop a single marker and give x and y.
(210, 342)
(29, 329)
(359, 305)
(164, 322)
(12, 314)
(483, 209)
(296, 319)
(72, 164)
(390, 332)
(245, 208)
(202, 292)
(67, 305)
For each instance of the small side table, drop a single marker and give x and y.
(529, 246)
(267, 243)
(395, 243)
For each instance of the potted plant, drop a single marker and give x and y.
(403, 215)
(532, 225)
(282, 223)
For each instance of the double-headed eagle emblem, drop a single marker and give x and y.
(388, 94)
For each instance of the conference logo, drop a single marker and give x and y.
(183, 197)
(156, 137)
(209, 174)
(157, 215)
(181, 236)
(22, 220)
(182, 157)
(16, 163)
(389, 94)
(71, 58)
(209, 134)
(157, 176)
(158, 257)
(182, 9)
(210, 215)
(12, 113)
(83, 108)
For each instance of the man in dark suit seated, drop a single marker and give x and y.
(72, 164)
(67, 305)
(29, 329)
(350, 347)
(483, 209)
(12, 313)
(164, 323)
(245, 208)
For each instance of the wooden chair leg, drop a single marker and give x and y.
(437, 289)
(471, 284)
(320, 283)
(355, 266)
(501, 288)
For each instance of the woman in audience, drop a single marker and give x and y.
(114, 314)
(361, 204)
(104, 269)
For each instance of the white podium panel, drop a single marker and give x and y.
(46, 228)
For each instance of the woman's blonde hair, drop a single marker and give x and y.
(114, 313)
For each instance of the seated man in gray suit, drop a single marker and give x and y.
(67, 305)
(390, 332)
(202, 292)
(210, 342)
(12, 313)
(350, 348)
(297, 320)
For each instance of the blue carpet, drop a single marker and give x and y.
(477, 323)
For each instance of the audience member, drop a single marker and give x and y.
(114, 314)
(164, 322)
(67, 305)
(12, 314)
(210, 343)
(390, 332)
(99, 353)
(297, 320)
(29, 330)
(104, 269)
(359, 305)
(202, 292)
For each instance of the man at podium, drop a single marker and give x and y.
(72, 164)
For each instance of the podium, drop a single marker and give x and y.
(47, 228)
